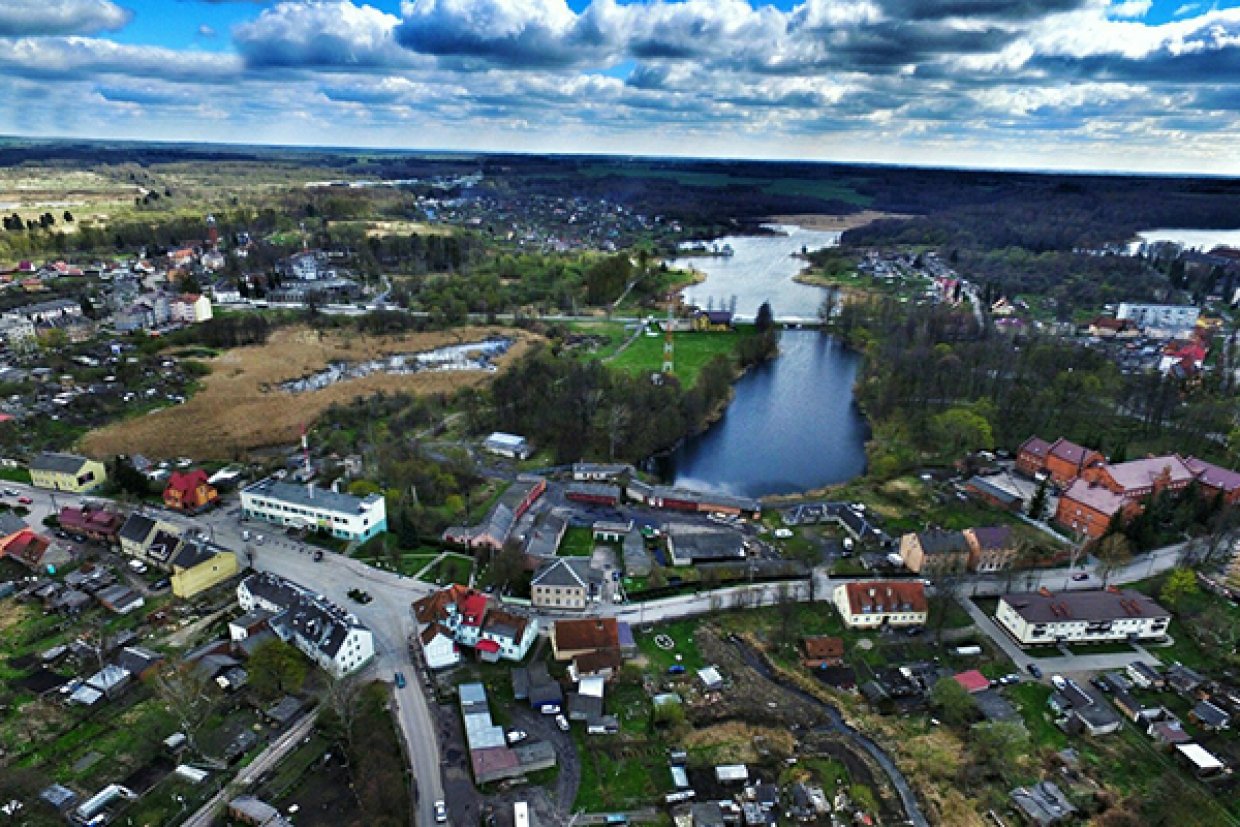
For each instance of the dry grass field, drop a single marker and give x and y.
(241, 406)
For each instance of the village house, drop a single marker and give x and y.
(96, 523)
(1094, 616)
(935, 551)
(325, 633)
(992, 548)
(1061, 461)
(495, 529)
(508, 445)
(574, 638)
(563, 583)
(459, 617)
(190, 308)
(189, 492)
(67, 472)
(868, 604)
(818, 651)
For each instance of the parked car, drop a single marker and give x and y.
(1058, 682)
(1035, 670)
(10, 492)
(399, 677)
(161, 584)
(1081, 575)
(25, 500)
(515, 736)
(441, 812)
(318, 556)
(561, 722)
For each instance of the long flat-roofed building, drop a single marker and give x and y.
(307, 506)
(1091, 616)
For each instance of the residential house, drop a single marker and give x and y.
(1184, 680)
(868, 604)
(199, 565)
(573, 638)
(563, 583)
(508, 445)
(713, 320)
(935, 551)
(331, 637)
(190, 308)
(1160, 321)
(343, 516)
(991, 549)
(609, 531)
(1093, 616)
(1145, 676)
(1201, 761)
(1082, 711)
(226, 291)
(189, 491)
(96, 523)
(1105, 327)
(67, 472)
(544, 540)
(1043, 804)
(820, 650)
(1167, 733)
(439, 648)
(507, 635)
(26, 547)
(495, 529)
(1210, 717)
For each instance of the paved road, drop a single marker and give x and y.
(267, 759)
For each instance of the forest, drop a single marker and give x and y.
(934, 385)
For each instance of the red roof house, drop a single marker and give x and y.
(973, 681)
(189, 492)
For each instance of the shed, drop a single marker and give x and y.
(731, 773)
(710, 678)
(1202, 761)
(973, 681)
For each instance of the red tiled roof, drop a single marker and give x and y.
(1068, 451)
(885, 596)
(473, 608)
(973, 680)
(187, 482)
(487, 646)
(823, 648)
(1098, 497)
(574, 635)
(1141, 473)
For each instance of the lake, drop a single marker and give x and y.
(760, 270)
(792, 425)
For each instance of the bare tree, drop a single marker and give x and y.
(184, 689)
(343, 697)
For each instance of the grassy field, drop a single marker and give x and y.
(453, 568)
(578, 542)
(693, 351)
(241, 406)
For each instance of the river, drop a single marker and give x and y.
(760, 270)
(792, 425)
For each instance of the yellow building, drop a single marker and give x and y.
(199, 566)
(67, 472)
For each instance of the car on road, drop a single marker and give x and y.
(399, 678)
(515, 736)
(1058, 682)
(10, 492)
(25, 500)
(783, 533)
(441, 812)
(1009, 679)
(561, 722)
(1081, 575)
(1034, 670)
(318, 556)
(161, 584)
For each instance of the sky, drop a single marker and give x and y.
(1145, 85)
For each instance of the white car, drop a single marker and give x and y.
(562, 723)
(1058, 682)
(783, 533)
(515, 736)
(441, 812)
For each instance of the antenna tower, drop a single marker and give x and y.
(669, 346)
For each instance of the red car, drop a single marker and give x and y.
(25, 500)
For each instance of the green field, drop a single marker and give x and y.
(692, 352)
(578, 542)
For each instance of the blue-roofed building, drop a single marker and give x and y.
(307, 506)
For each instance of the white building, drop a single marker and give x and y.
(321, 630)
(190, 308)
(508, 445)
(879, 603)
(17, 331)
(1081, 617)
(1160, 320)
(307, 506)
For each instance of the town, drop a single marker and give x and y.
(454, 501)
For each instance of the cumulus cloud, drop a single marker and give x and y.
(325, 33)
(23, 18)
(67, 58)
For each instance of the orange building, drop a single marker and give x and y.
(189, 492)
